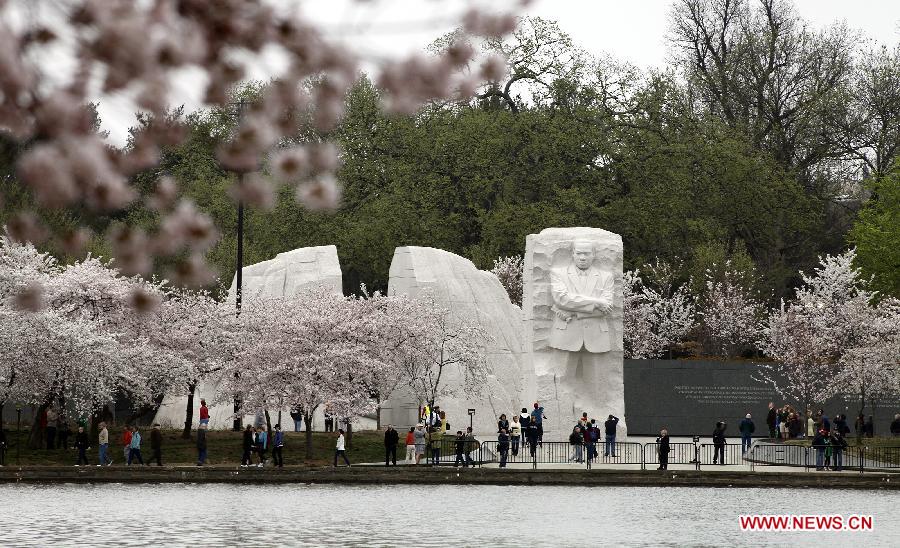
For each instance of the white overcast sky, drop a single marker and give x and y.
(630, 30)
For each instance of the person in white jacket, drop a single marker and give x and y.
(339, 449)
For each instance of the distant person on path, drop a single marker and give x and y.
(860, 427)
(103, 445)
(460, 445)
(810, 425)
(576, 440)
(838, 444)
(870, 427)
(126, 443)
(156, 445)
(515, 434)
(81, 444)
(420, 438)
(52, 417)
(502, 423)
(609, 449)
(718, 437)
(339, 450)
(746, 428)
(204, 412)
(262, 443)
(329, 422)
(278, 447)
(531, 436)
(410, 445)
(592, 434)
(537, 419)
(826, 423)
(248, 444)
(135, 447)
(391, 440)
(63, 432)
(840, 424)
(895, 425)
(469, 446)
(795, 427)
(503, 447)
(435, 439)
(298, 419)
(771, 419)
(819, 443)
(201, 444)
(663, 448)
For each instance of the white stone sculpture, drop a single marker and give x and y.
(572, 307)
(285, 275)
(454, 282)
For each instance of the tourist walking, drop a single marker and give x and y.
(537, 419)
(391, 440)
(895, 425)
(503, 447)
(718, 437)
(515, 434)
(339, 449)
(201, 444)
(609, 449)
(591, 435)
(126, 444)
(156, 445)
(262, 444)
(746, 428)
(248, 445)
(81, 444)
(869, 428)
(460, 444)
(469, 446)
(502, 423)
(297, 416)
(135, 447)
(576, 440)
(838, 443)
(103, 446)
(278, 447)
(819, 443)
(410, 446)
(663, 449)
(420, 440)
(50, 432)
(204, 412)
(435, 439)
(771, 417)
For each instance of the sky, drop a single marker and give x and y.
(629, 30)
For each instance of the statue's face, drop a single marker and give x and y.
(583, 254)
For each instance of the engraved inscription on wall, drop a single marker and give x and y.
(711, 394)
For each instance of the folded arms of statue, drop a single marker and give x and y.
(569, 305)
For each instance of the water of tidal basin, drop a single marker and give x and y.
(405, 515)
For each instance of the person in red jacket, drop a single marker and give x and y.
(204, 412)
(126, 441)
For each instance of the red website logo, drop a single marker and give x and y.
(834, 522)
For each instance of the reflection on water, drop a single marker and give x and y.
(404, 515)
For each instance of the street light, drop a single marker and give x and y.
(471, 418)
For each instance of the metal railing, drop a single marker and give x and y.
(559, 452)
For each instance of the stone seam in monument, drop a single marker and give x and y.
(575, 311)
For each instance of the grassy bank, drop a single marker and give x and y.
(223, 447)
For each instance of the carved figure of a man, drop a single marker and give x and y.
(582, 299)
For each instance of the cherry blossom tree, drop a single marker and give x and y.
(731, 317)
(834, 337)
(443, 344)
(654, 320)
(137, 50)
(509, 271)
(308, 350)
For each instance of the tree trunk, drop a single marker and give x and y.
(268, 426)
(145, 410)
(378, 417)
(307, 417)
(189, 413)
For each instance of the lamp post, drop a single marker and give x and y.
(239, 269)
(471, 418)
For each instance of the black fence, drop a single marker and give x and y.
(681, 453)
